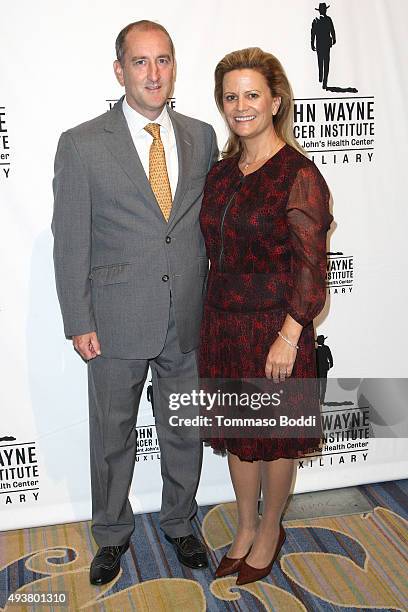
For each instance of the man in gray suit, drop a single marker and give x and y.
(131, 267)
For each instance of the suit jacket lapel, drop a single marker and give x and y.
(120, 143)
(185, 150)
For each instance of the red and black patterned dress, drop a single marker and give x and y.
(265, 236)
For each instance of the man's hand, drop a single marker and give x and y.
(87, 345)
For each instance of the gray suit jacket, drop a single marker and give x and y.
(116, 259)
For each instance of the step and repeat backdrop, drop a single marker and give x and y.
(55, 72)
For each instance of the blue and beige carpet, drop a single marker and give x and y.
(357, 562)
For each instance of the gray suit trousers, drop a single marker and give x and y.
(115, 387)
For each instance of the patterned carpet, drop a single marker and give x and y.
(348, 563)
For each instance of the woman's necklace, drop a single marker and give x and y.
(248, 164)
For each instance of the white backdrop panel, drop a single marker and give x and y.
(56, 72)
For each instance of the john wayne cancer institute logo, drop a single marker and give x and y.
(147, 443)
(19, 474)
(345, 416)
(4, 145)
(339, 273)
(112, 101)
(334, 129)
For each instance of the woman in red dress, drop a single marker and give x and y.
(265, 216)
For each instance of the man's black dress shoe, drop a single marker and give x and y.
(190, 551)
(106, 563)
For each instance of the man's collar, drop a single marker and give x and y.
(139, 122)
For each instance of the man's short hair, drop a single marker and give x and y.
(144, 25)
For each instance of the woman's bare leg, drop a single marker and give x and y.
(246, 480)
(276, 483)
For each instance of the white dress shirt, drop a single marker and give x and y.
(142, 140)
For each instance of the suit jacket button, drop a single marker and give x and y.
(165, 278)
(168, 239)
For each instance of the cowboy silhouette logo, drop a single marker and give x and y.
(324, 363)
(322, 39)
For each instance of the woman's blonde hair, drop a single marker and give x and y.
(270, 67)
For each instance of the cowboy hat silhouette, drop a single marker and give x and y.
(322, 7)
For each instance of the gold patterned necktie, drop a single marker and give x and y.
(158, 177)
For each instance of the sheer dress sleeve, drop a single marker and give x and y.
(309, 219)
